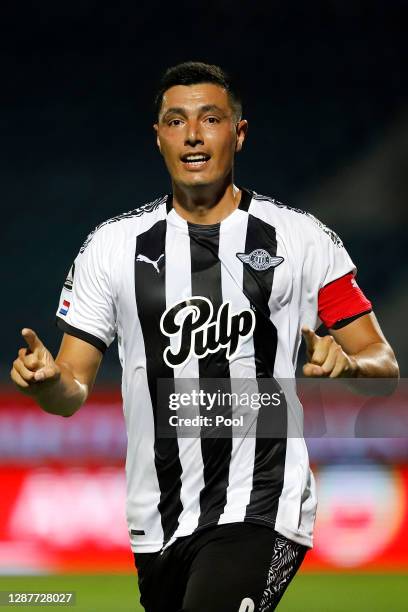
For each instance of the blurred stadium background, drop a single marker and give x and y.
(326, 95)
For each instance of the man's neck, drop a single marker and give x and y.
(206, 205)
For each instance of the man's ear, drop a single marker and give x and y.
(242, 130)
(156, 129)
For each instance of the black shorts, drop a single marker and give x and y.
(238, 567)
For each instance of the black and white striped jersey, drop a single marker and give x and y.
(187, 301)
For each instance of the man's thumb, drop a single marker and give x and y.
(45, 374)
(31, 338)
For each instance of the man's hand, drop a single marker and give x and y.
(61, 385)
(326, 357)
(34, 365)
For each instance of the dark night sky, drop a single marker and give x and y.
(320, 81)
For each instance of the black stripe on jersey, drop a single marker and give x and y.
(151, 303)
(257, 286)
(269, 452)
(216, 452)
(169, 203)
(246, 197)
(81, 334)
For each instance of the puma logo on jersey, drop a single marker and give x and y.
(198, 332)
(154, 263)
(259, 259)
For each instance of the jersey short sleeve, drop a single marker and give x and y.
(325, 261)
(334, 260)
(86, 307)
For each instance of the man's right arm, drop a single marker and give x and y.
(61, 385)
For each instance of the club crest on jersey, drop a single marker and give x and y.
(199, 333)
(259, 259)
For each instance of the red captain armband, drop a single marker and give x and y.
(342, 301)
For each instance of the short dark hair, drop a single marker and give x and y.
(193, 73)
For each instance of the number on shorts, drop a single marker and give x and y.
(247, 605)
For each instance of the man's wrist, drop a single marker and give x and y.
(61, 397)
(354, 367)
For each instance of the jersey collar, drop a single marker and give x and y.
(246, 197)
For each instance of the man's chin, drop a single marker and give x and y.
(195, 182)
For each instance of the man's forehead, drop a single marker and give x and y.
(191, 97)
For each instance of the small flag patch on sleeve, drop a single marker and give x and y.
(65, 307)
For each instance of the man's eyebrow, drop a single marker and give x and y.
(175, 110)
(210, 107)
(179, 110)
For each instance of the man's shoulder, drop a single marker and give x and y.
(281, 215)
(113, 225)
(294, 217)
(278, 206)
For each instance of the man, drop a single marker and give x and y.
(210, 282)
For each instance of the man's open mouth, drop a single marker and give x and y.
(195, 160)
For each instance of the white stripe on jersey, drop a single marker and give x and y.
(178, 287)
(232, 241)
(142, 514)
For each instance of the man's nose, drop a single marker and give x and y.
(193, 136)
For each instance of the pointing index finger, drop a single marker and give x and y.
(310, 337)
(31, 338)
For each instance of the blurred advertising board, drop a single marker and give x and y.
(73, 519)
(61, 519)
(339, 426)
(95, 434)
(62, 494)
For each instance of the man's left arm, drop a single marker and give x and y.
(356, 350)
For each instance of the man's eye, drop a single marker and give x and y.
(212, 120)
(175, 122)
